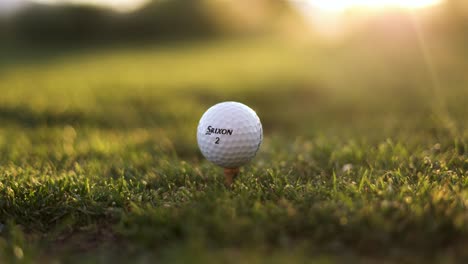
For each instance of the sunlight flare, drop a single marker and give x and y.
(343, 5)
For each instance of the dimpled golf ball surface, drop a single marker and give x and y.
(229, 134)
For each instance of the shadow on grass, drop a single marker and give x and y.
(131, 114)
(275, 103)
(27, 117)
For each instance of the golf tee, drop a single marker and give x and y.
(229, 176)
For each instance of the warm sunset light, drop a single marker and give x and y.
(343, 5)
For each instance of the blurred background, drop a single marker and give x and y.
(363, 105)
(93, 22)
(308, 66)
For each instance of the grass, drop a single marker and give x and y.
(99, 160)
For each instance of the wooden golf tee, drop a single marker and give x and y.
(229, 176)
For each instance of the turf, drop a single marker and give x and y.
(364, 157)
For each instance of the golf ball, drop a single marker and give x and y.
(229, 134)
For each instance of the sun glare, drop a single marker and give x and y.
(343, 5)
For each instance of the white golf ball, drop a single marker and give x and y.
(229, 134)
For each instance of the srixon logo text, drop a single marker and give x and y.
(218, 131)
